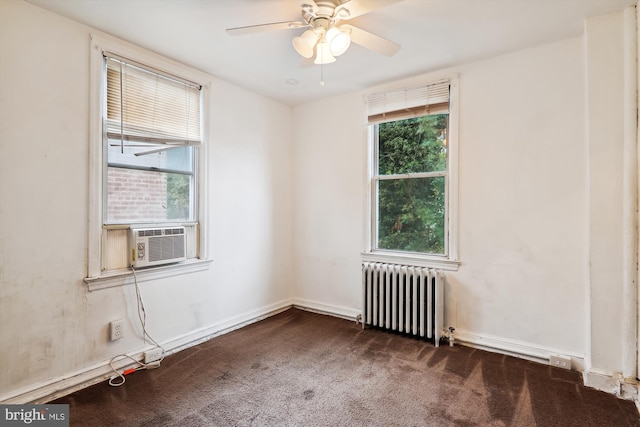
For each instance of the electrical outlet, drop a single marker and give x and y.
(152, 355)
(116, 329)
(558, 361)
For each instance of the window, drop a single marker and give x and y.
(151, 128)
(146, 158)
(412, 183)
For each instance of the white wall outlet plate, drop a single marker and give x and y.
(559, 361)
(116, 329)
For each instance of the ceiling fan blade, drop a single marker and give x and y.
(371, 41)
(250, 29)
(360, 7)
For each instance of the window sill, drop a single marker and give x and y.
(410, 259)
(125, 277)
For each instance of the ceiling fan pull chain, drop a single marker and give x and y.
(321, 75)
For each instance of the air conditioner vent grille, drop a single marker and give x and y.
(174, 230)
(166, 247)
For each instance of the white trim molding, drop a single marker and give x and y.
(126, 277)
(331, 310)
(410, 259)
(629, 327)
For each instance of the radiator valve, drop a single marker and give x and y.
(451, 329)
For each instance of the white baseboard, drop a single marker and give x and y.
(520, 349)
(321, 308)
(47, 391)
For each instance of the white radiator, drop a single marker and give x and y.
(404, 299)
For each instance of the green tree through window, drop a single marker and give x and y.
(178, 196)
(411, 181)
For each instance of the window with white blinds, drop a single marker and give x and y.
(147, 145)
(411, 177)
(152, 133)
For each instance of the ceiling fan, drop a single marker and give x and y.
(326, 36)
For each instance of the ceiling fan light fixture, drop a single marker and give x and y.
(304, 44)
(339, 40)
(323, 54)
(325, 36)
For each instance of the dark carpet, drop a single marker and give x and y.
(304, 369)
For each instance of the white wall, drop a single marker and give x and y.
(522, 201)
(330, 175)
(50, 325)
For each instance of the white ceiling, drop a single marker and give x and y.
(434, 34)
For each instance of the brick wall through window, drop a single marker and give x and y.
(136, 196)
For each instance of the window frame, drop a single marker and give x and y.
(96, 277)
(449, 260)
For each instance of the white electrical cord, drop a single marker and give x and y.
(142, 315)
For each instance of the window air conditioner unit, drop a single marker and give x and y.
(156, 246)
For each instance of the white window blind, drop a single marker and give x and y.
(398, 104)
(146, 106)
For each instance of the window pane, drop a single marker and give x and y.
(411, 215)
(177, 159)
(413, 145)
(148, 196)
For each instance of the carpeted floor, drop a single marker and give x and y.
(305, 369)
